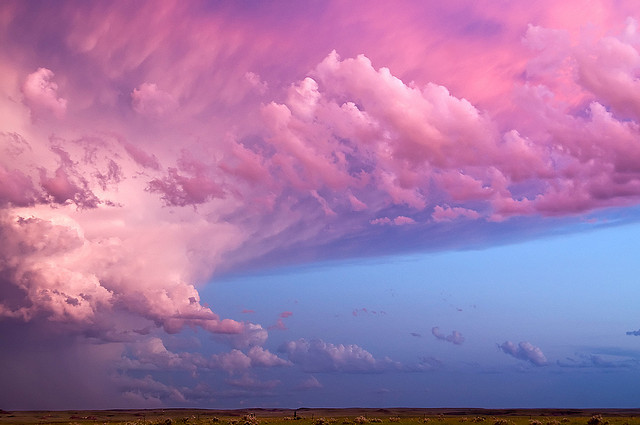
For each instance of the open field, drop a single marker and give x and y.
(304, 416)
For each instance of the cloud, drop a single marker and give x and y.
(181, 190)
(319, 356)
(250, 382)
(309, 383)
(598, 361)
(429, 363)
(455, 337)
(279, 325)
(150, 101)
(41, 93)
(254, 80)
(447, 213)
(152, 354)
(525, 351)
(141, 157)
(634, 333)
(149, 392)
(184, 159)
(16, 188)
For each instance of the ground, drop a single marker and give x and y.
(304, 416)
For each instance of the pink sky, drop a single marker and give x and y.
(145, 147)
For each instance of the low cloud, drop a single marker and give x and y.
(151, 354)
(455, 337)
(319, 356)
(525, 351)
(310, 383)
(599, 361)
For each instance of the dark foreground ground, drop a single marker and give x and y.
(313, 416)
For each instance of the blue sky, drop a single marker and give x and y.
(572, 295)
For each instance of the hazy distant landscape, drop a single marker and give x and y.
(353, 416)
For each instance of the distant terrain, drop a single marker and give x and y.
(328, 416)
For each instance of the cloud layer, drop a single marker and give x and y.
(146, 149)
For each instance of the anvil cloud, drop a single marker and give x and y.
(148, 148)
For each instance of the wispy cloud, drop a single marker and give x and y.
(599, 361)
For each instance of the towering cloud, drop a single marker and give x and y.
(147, 148)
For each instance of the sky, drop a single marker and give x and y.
(235, 204)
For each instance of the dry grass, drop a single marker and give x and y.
(307, 417)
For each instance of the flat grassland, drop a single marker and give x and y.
(305, 416)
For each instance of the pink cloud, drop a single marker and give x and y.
(448, 213)
(256, 82)
(41, 93)
(141, 157)
(263, 358)
(61, 189)
(322, 155)
(150, 101)
(16, 188)
(181, 190)
(397, 221)
(402, 220)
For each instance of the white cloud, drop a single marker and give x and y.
(319, 356)
(525, 351)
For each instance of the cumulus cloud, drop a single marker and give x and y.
(41, 93)
(69, 266)
(152, 354)
(319, 356)
(109, 222)
(447, 213)
(525, 351)
(455, 337)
